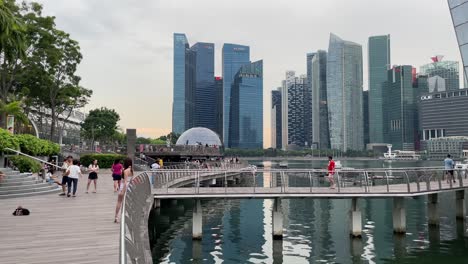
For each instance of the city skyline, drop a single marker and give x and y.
(145, 62)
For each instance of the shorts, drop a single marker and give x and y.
(116, 177)
(92, 176)
(449, 172)
(64, 180)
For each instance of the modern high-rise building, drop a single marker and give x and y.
(293, 113)
(203, 94)
(234, 57)
(181, 46)
(276, 119)
(246, 120)
(319, 109)
(365, 111)
(400, 108)
(379, 64)
(219, 106)
(310, 106)
(459, 11)
(344, 94)
(447, 70)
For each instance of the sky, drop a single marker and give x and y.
(128, 56)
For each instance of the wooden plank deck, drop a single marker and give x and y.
(62, 230)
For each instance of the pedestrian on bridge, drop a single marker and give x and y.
(117, 170)
(449, 165)
(93, 169)
(127, 175)
(331, 172)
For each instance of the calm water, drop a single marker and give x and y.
(315, 230)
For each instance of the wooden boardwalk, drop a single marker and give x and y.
(62, 230)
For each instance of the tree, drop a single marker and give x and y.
(14, 108)
(100, 124)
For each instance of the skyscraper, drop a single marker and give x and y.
(234, 57)
(276, 119)
(219, 106)
(310, 105)
(400, 111)
(246, 120)
(365, 112)
(459, 11)
(181, 46)
(319, 110)
(448, 70)
(379, 63)
(344, 94)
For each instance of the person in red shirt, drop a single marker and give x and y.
(331, 172)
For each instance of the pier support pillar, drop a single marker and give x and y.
(399, 215)
(433, 210)
(356, 219)
(460, 204)
(157, 203)
(197, 221)
(277, 219)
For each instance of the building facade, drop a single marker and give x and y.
(365, 111)
(234, 56)
(445, 70)
(379, 64)
(219, 106)
(181, 46)
(459, 12)
(276, 119)
(344, 94)
(319, 109)
(246, 121)
(438, 148)
(309, 104)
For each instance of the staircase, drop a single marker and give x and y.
(16, 184)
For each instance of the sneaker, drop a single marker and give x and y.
(68, 195)
(62, 194)
(73, 195)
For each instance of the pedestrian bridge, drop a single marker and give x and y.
(148, 189)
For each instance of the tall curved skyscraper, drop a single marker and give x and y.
(344, 94)
(459, 12)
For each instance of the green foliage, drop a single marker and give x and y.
(100, 124)
(172, 136)
(7, 140)
(14, 108)
(25, 164)
(104, 160)
(34, 146)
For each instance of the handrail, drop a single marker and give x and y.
(32, 157)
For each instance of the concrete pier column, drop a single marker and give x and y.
(355, 219)
(399, 215)
(197, 221)
(460, 204)
(433, 210)
(277, 219)
(157, 203)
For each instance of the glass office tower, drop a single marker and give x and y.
(246, 120)
(320, 133)
(276, 119)
(447, 70)
(181, 46)
(459, 11)
(379, 64)
(234, 57)
(344, 94)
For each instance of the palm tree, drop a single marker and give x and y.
(14, 108)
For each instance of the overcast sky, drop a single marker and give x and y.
(127, 44)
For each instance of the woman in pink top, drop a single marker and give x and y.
(117, 169)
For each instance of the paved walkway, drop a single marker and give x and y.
(62, 230)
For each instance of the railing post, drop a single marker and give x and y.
(225, 181)
(439, 180)
(338, 181)
(310, 181)
(254, 181)
(388, 185)
(407, 182)
(198, 181)
(460, 178)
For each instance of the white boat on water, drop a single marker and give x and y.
(399, 155)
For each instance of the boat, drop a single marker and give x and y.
(399, 155)
(283, 164)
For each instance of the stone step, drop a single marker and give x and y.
(17, 175)
(5, 184)
(25, 186)
(19, 179)
(28, 190)
(50, 191)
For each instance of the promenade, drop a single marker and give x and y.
(62, 230)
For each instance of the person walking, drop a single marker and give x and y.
(127, 176)
(66, 164)
(449, 165)
(117, 170)
(73, 173)
(331, 172)
(93, 169)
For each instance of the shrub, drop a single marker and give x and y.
(7, 140)
(25, 164)
(104, 160)
(34, 146)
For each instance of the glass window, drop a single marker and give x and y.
(433, 134)
(456, 93)
(437, 96)
(462, 93)
(464, 52)
(453, 3)
(460, 14)
(462, 33)
(444, 95)
(426, 134)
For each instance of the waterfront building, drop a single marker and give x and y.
(310, 106)
(446, 70)
(459, 11)
(181, 46)
(219, 106)
(234, 56)
(400, 107)
(344, 94)
(379, 63)
(365, 111)
(293, 117)
(436, 84)
(438, 148)
(317, 80)
(276, 119)
(246, 121)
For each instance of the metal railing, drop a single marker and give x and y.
(182, 149)
(136, 206)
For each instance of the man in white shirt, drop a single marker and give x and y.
(66, 164)
(154, 167)
(73, 173)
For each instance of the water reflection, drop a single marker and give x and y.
(315, 231)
